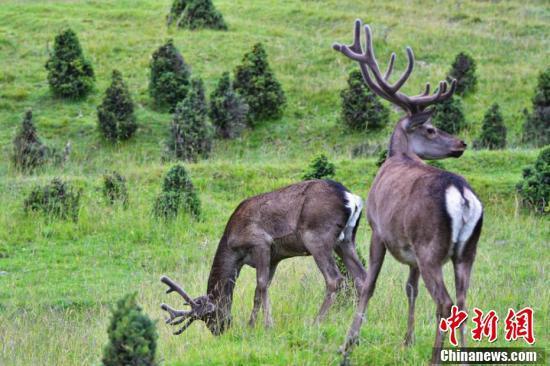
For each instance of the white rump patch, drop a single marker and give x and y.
(465, 211)
(355, 205)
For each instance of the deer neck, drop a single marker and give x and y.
(223, 276)
(399, 143)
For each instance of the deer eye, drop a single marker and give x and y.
(431, 131)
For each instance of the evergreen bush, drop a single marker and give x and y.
(255, 81)
(493, 131)
(536, 129)
(132, 336)
(177, 192)
(70, 75)
(190, 132)
(227, 109)
(463, 70)
(320, 168)
(201, 14)
(169, 78)
(176, 10)
(116, 118)
(28, 151)
(449, 116)
(534, 189)
(114, 188)
(57, 199)
(361, 108)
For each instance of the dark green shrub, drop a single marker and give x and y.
(177, 192)
(320, 168)
(70, 75)
(227, 109)
(178, 6)
(536, 129)
(132, 336)
(114, 188)
(190, 132)
(361, 108)
(463, 70)
(493, 131)
(28, 151)
(57, 199)
(449, 116)
(382, 156)
(201, 14)
(534, 189)
(255, 81)
(169, 78)
(116, 118)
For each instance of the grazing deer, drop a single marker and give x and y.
(315, 217)
(423, 215)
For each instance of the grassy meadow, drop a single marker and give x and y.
(58, 278)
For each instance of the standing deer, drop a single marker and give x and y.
(423, 215)
(315, 217)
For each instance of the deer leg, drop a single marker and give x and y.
(262, 260)
(463, 270)
(333, 280)
(347, 252)
(432, 274)
(376, 258)
(411, 289)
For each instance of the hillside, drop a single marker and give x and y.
(57, 278)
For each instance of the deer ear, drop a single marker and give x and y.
(419, 119)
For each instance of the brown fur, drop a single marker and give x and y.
(407, 206)
(302, 219)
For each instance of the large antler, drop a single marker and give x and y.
(381, 85)
(183, 315)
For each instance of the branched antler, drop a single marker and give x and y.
(172, 286)
(179, 316)
(380, 84)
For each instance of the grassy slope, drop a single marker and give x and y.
(62, 275)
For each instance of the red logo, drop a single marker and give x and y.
(452, 323)
(485, 326)
(520, 325)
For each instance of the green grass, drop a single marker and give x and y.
(62, 276)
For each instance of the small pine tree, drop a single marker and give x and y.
(361, 108)
(169, 79)
(177, 192)
(190, 131)
(493, 131)
(132, 336)
(199, 14)
(178, 6)
(227, 109)
(70, 75)
(114, 188)
(57, 199)
(534, 189)
(255, 81)
(536, 129)
(116, 118)
(28, 151)
(320, 168)
(463, 70)
(449, 116)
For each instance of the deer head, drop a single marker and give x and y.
(422, 138)
(202, 308)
